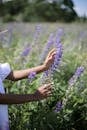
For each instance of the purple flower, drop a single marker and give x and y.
(79, 71)
(31, 76)
(59, 34)
(50, 41)
(58, 56)
(37, 32)
(46, 73)
(26, 51)
(57, 59)
(47, 47)
(59, 51)
(77, 75)
(58, 106)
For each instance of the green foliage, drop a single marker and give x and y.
(8, 18)
(40, 10)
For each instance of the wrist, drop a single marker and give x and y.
(44, 67)
(35, 97)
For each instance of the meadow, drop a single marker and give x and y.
(26, 45)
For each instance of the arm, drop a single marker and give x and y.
(42, 92)
(15, 98)
(21, 74)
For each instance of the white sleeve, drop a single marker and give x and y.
(4, 70)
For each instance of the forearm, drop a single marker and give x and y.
(17, 99)
(21, 74)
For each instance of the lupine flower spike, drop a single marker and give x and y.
(31, 76)
(77, 75)
(48, 75)
(47, 47)
(58, 106)
(72, 82)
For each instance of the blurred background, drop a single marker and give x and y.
(43, 10)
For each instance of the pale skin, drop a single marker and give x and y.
(42, 92)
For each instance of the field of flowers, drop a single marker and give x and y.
(26, 45)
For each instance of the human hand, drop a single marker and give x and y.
(49, 59)
(43, 92)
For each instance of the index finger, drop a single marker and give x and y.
(54, 49)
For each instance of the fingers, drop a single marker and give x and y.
(44, 91)
(47, 89)
(52, 55)
(48, 93)
(52, 51)
(47, 86)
